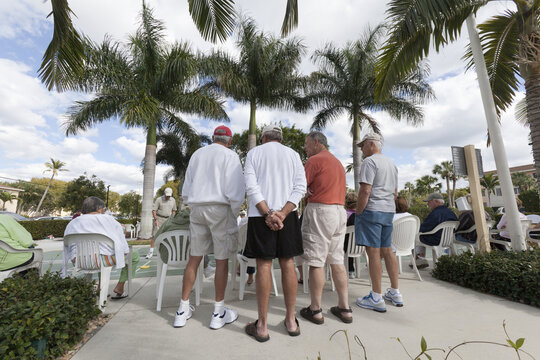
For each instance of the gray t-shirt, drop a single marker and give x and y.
(381, 173)
(164, 207)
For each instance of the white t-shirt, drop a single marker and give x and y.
(274, 173)
(380, 172)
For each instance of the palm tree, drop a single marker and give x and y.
(54, 166)
(409, 187)
(145, 85)
(489, 182)
(176, 150)
(64, 58)
(523, 181)
(6, 197)
(446, 172)
(345, 84)
(511, 44)
(427, 184)
(265, 75)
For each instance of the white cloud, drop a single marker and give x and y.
(22, 17)
(135, 148)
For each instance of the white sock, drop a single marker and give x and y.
(395, 291)
(151, 251)
(183, 305)
(218, 307)
(376, 296)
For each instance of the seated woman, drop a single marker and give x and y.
(12, 233)
(95, 220)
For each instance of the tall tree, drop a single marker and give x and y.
(427, 184)
(345, 84)
(54, 166)
(265, 75)
(79, 189)
(445, 170)
(146, 85)
(64, 58)
(489, 182)
(511, 44)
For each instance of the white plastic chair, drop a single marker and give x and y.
(131, 229)
(447, 239)
(245, 262)
(36, 261)
(88, 259)
(404, 236)
(535, 219)
(305, 276)
(525, 228)
(137, 229)
(353, 251)
(473, 247)
(177, 244)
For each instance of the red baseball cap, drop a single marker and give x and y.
(222, 130)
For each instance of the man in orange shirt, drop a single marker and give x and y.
(323, 227)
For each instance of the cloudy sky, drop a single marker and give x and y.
(31, 117)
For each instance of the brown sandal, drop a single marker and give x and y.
(251, 330)
(293, 332)
(308, 314)
(338, 312)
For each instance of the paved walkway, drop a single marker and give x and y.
(444, 314)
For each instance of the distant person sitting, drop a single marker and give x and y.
(466, 221)
(350, 207)
(16, 236)
(94, 221)
(439, 214)
(502, 226)
(401, 208)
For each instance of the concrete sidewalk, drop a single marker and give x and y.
(444, 314)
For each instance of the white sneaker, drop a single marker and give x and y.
(352, 275)
(228, 316)
(367, 302)
(209, 271)
(150, 254)
(182, 316)
(395, 297)
(421, 263)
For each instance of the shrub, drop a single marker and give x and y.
(42, 228)
(530, 200)
(512, 275)
(50, 308)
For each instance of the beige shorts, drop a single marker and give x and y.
(323, 234)
(160, 221)
(213, 229)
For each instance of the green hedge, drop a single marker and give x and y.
(50, 308)
(512, 275)
(41, 229)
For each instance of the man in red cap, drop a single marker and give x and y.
(214, 190)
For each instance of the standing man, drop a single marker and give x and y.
(323, 227)
(373, 225)
(275, 184)
(164, 206)
(214, 190)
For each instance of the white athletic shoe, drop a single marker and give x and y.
(182, 316)
(228, 316)
(394, 297)
(150, 254)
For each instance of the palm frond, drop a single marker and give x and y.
(63, 61)
(85, 114)
(520, 112)
(290, 21)
(213, 18)
(326, 116)
(197, 102)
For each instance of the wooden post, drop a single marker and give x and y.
(476, 196)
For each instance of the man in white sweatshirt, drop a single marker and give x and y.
(275, 183)
(214, 189)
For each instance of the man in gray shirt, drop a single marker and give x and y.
(373, 224)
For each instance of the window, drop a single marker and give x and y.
(483, 192)
(498, 192)
(516, 191)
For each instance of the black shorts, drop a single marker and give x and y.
(263, 243)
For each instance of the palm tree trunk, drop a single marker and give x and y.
(44, 194)
(252, 133)
(447, 178)
(357, 153)
(454, 180)
(532, 87)
(148, 183)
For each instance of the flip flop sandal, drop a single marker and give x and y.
(338, 312)
(308, 314)
(119, 296)
(295, 332)
(251, 330)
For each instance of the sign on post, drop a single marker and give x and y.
(460, 165)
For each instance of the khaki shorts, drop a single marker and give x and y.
(213, 229)
(160, 221)
(323, 234)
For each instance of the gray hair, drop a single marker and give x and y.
(92, 204)
(377, 144)
(439, 201)
(273, 135)
(320, 137)
(224, 139)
